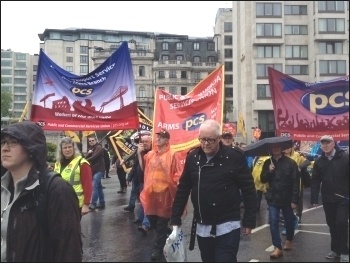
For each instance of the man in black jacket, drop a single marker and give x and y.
(214, 175)
(281, 172)
(331, 170)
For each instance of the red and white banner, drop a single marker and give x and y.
(182, 115)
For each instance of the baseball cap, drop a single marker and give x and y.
(227, 133)
(326, 138)
(164, 133)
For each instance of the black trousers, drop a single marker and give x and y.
(160, 224)
(337, 216)
(221, 248)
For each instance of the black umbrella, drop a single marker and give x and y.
(261, 148)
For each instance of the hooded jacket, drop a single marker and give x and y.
(214, 188)
(26, 238)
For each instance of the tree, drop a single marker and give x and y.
(6, 102)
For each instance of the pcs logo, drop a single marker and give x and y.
(193, 122)
(327, 102)
(41, 123)
(81, 92)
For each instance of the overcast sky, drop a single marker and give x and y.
(21, 22)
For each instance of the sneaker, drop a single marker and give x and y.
(333, 255)
(284, 231)
(101, 206)
(129, 209)
(143, 229)
(344, 258)
(92, 207)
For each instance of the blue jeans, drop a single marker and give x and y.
(289, 217)
(133, 194)
(140, 213)
(221, 248)
(97, 191)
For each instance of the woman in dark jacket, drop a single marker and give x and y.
(23, 236)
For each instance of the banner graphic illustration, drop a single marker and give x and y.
(306, 111)
(104, 99)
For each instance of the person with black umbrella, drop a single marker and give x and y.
(281, 172)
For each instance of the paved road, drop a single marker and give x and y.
(111, 236)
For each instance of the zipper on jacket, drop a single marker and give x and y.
(199, 179)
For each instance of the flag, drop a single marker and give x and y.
(241, 125)
(72, 135)
(125, 142)
(182, 115)
(87, 133)
(104, 99)
(306, 111)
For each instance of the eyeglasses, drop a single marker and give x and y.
(10, 142)
(208, 140)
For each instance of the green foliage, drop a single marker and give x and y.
(51, 152)
(6, 102)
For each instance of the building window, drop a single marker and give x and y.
(262, 69)
(20, 81)
(228, 53)
(142, 92)
(165, 57)
(211, 59)
(269, 51)
(83, 59)
(6, 54)
(6, 63)
(196, 59)
(211, 46)
(172, 74)
(269, 30)
(69, 68)
(179, 57)
(173, 90)
(297, 52)
(69, 59)
(268, 10)
(266, 123)
(19, 73)
(21, 56)
(332, 67)
(331, 47)
(228, 79)
(331, 25)
(295, 10)
(83, 69)
(227, 40)
(197, 75)
(84, 49)
(263, 91)
(228, 66)
(297, 69)
(330, 6)
(196, 46)
(183, 90)
(165, 46)
(69, 50)
(183, 74)
(20, 64)
(161, 74)
(162, 88)
(228, 92)
(295, 30)
(6, 71)
(227, 27)
(142, 71)
(20, 89)
(179, 46)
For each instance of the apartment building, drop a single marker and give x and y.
(174, 63)
(308, 40)
(17, 78)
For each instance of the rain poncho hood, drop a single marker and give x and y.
(31, 136)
